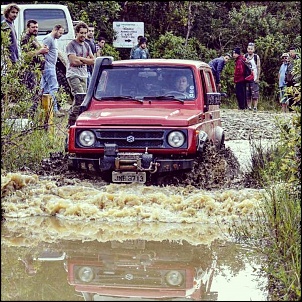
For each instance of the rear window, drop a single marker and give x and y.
(47, 19)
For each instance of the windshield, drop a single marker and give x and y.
(158, 83)
(47, 19)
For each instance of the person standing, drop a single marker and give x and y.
(282, 84)
(49, 82)
(134, 47)
(239, 79)
(11, 12)
(217, 66)
(90, 40)
(138, 46)
(252, 88)
(100, 46)
(79, 56)
(33, 54)
(140, 52)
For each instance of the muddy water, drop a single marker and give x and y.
(86, 242)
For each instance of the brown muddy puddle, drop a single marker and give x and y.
(125, 243)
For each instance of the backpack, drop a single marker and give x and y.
(248, 71)
(255, 57)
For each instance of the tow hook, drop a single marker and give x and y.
(152, 168)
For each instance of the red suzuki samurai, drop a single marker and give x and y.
(141, 119)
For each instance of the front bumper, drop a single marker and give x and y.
(135, 162)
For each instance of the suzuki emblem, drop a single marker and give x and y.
(130, 139)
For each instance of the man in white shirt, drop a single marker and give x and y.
(252, 88)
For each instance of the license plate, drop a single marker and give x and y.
(128, 244)
(129, 177)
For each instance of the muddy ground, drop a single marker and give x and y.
(216, 169)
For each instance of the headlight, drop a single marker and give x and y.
(87, 138)
(174, 278)
(176, 139)
(86, 274)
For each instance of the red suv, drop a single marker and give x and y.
(144, 118)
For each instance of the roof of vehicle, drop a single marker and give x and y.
(175, 62)
(37, 6)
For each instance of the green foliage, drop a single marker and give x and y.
(278, 230)
(174, 47)
(111, 51)
(281, 238)
(99, 13)
(25, 137)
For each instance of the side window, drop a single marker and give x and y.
(47, 19)
(208, 83)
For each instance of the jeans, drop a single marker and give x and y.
(240, 95)
(50, 85)
(88, 79)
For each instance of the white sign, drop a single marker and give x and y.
(127, 33)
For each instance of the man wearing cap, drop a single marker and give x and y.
(239, 79)
(217, 66)
(141, 51)
(282, 81)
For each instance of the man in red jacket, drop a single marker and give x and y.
(239, 78)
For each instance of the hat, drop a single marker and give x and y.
(142, 40)
(285, 55)
(237, 50)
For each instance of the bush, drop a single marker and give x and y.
(26, 134)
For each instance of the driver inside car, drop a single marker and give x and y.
(182, 84)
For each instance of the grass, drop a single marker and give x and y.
(277, 232)
(26, 148)
(264, 104)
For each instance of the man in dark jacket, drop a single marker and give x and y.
(217, 66)
(239, 78)
(33, 53)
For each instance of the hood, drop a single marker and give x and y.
(139, 117)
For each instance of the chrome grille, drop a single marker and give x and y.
(132, 138)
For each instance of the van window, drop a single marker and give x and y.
(47, 19)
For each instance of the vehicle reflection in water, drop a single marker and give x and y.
(46, 259)
(143, 269)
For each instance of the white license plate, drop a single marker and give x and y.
(129, 177)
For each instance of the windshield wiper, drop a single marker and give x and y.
(164, 97)
(121, 97)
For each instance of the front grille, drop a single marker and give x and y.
(128, 277)
(131, 139)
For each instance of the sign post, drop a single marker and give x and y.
(127, 33)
